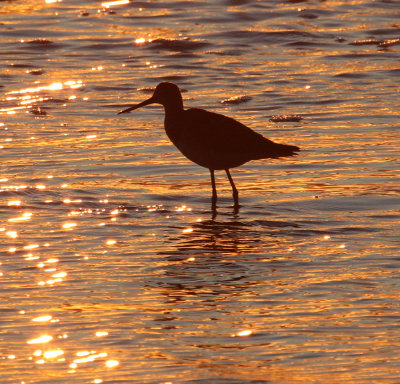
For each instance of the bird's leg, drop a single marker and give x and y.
(235, 192)
(214, 190)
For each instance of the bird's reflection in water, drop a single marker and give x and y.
(211, 275)
(216, 237)
(219, 256)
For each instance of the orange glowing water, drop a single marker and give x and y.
(114, 268)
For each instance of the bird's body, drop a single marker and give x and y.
(211, 140)
(217, 142)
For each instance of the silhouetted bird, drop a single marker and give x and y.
(209, 139)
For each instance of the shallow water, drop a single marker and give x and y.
(113, 267)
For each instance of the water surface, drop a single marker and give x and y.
(113, 267)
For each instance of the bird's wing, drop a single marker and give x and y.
(217, 141)
(221, 130)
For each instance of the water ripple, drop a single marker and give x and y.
(118, 268)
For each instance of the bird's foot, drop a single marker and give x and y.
(235, 195)
(214, 202)
(236, 208)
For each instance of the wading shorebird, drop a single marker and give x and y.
(214, 141)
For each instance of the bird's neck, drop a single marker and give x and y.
(173, 122)
(173, 115)
(173, 108)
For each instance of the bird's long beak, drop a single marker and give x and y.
(136, 106)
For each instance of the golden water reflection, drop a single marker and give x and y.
(114, 269)
(271, 285)
(110, 4)
(29, 98)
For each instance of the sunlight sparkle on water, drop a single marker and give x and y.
(101, 333)
(52, 260)
(53, 354)
(246, 332)
(52, 87)
(40, 340)
(60, 275)
(86, 357)
(13, 187)
(28, 97)
(69, 225)
(69, 201)
(14, 203)
(142, 40)
(109, 4)
(183, 208)
(112, 363)
(31, 246)
(49, 282)
(43, 318)
(25, 217)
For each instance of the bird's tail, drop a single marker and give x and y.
(270, 149)
(283, 150)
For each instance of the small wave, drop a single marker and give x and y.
(37, 111)
(365, 42)
(355, 55)
(380, 43)
(286, 119)
(389, 42)
(394, 72)
(41, 43)
(274, 37)
(233, 52)
(36, 72)
(150, 90)
(384, 31)
(20, 65)
(302, 43)
(308, 15)
(352, 75)
(236, 100)
(238, 2)
(177, 45)
(146, 89)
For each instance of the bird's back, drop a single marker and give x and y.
(216, 141)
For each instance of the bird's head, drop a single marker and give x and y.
(166, 94)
